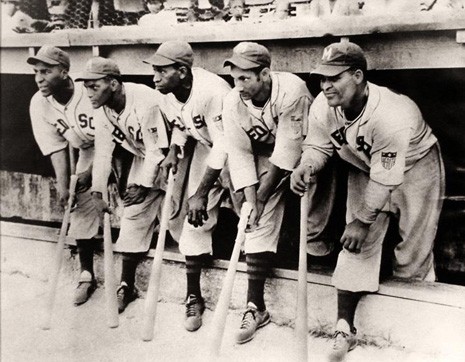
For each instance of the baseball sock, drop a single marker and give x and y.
(85, 249)
(128, 273)
(258, 267)
(346, 305)
(194, 264)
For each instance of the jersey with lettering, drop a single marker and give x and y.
(385, 140)
(140, 128)
(200, 117)
(278, 124)
(54, 125)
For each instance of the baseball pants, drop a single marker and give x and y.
(417, 205)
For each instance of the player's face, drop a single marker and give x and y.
(155, 7)
(99, 91)
(8, 8)
(341, 89)
(247, 82)
(167, 79)
(49, 78)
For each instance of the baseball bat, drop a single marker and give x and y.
(151, 300)
(301, 323)
(111, 302)
(222, 306)
(60, 247)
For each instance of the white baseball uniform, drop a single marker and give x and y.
(259, 136)
(55, 126)
(398, 170)
(199, 118)
(141, 130)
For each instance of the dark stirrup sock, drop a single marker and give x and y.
(347, 304)
(194, 264)
(258, 268)
(85, 249)
(128, 272)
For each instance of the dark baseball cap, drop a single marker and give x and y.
(171, 52)
(98, 68)
(248, 55)
(50, 55)
(339, 57)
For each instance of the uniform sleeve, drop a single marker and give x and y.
(104, 147)
(390, 145)
(46, 135)
(155, 136)
(288, 144)
(317, 147)
(241, 161)
(214, 120)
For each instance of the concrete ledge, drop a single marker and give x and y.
(426, 317)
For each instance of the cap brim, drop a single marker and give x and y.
(36, 59)
(159, 60)
(89, 76)
(330, 70)
(240, 62)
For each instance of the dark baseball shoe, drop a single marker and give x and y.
(124, 296)
(251, 321)
(344, 340)
(85, 288)
(195, 307)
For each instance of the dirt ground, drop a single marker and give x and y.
(80, 333)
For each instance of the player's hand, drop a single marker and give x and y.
(300, 179)
(255, 215)
(170, 162)
(354, 236)
(100, 205)
(135, 194)
(83, 181)
(197, 210)
(63, 197)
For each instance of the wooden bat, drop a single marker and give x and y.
(151, 300)
(59, 255)
(301, 322)
(222, 306)
(111, 302)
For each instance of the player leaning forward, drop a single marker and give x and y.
(193, 102)
(263, 119)
(61, 115)
(127, 114)
(398, 171)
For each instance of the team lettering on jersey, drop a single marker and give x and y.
(136, 134)
(85, 121)
(118, 135)
(339, 139)
(199, 121)
(61, 126)
(177, 123)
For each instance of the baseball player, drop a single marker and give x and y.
(397, 171)
(61, 115)
(193, 105)
(263, 119)
(128, 115)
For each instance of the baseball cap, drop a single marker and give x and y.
(339, 57)
(171, 52)
(98, 68)
(50, 55)
(248, 55)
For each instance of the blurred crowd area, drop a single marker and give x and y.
(29, 16)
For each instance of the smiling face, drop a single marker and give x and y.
(167, 79)
(247, 82)
(50, 79)
(99, 91)
(342, 89)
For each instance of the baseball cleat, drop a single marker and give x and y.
(124, 296)
(195, 307)
(251, 321)
(85, 288)
(344, 340)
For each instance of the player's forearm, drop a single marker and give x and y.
(376, 196)
(209, 178)
(250, 193)
(60, 163)
(269, 182)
